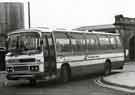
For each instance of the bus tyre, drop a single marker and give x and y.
(65, 75)
(107, 68)
(32, 82)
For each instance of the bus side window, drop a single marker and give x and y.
(63, 44)
(78, 42)
(113, 42)
(92, 43)
(104, 42)
(119, 43)
(78, 45)
(74, 47)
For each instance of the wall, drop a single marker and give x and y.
(11, 18)
(126, 28)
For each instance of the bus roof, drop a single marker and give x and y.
(93, 32)
(30, 30)
(39, 29)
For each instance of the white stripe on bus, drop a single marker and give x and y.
(90, 62)
(88, 57)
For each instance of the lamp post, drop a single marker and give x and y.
(29, 19)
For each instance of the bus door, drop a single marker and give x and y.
(49, 55)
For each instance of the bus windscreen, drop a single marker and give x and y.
(23, 42)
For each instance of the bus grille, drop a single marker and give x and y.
(21, 60)
(21, 68)
(27, 60)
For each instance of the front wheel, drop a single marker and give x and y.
(107, 68)
(65, 75)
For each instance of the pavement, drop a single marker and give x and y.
(125, 79)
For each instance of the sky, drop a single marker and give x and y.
(75, 13)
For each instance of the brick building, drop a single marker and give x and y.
(126, 28)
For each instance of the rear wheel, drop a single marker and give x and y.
(65, 74)
(107, 69)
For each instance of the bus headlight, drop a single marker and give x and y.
(34, 68)
(9, 69)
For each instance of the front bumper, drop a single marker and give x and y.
(25, 75)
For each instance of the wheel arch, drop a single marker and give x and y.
(108, 60)
(107, 67)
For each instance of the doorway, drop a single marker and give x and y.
(132, 48)
(49, 55)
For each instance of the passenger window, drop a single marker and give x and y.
(104, 42)
(119, 44)
(78, 42)
(78, 45)
(62, 42)
(63, 45)
(92, 43)
(113, 42)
